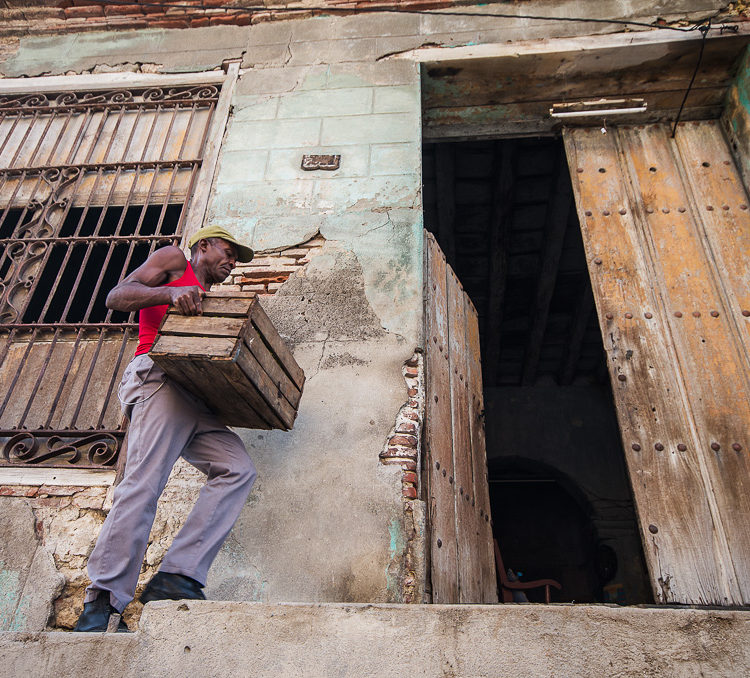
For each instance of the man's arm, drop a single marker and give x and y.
(142, 287)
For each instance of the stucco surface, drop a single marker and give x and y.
(29, 581)
(242, 639)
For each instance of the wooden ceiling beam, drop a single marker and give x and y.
(497, 247)
(558, 215)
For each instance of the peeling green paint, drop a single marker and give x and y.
(9, 591)
(396, 553)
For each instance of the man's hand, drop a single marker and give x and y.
(187, 299)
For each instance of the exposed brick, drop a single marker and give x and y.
(260, 17)
(110, 10)
(168, 23)
(296, 252)
(410, 477)
(411, 372)
(414, 416)
(409, 492)
(200, 22)
(412, 362)
(223, 20)
(409, 465)
(400, 452)
(264, 276)
(274, 287)
(412, 392)
(7, 491)
(84, 12)
(254, 288)
(406, 427)
(407, 441)
(31, 492)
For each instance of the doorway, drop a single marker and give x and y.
(503, 213)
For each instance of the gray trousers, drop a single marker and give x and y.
(167, 422)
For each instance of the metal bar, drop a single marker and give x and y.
(23, 140)
(4, 432)
(64, 379)
(65, 326)
(39, 378)
(87, 238)
(103, 105)
(19, 369)
(164, 206)
(10, 133)
(69, 251)
(41, 138)
(12, 198)
(87, 381)
(79, 136)
(198, 201)
(92, 166)
(184, 211)
(113, 379)
(60, 137)
(99, 280)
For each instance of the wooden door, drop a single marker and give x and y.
(667, 237)
(463, 566)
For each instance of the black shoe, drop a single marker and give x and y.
(95, 615)
(169, 586)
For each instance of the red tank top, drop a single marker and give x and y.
(149, 318)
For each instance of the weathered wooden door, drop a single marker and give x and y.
(667, 235)
(463, 567)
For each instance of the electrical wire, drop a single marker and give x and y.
(704, 28)
(394, 10)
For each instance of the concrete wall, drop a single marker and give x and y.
(327, 521)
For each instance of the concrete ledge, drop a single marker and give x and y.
(332, 639)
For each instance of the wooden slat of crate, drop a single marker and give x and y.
(234, 359)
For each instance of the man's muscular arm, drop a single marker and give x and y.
(142, 287)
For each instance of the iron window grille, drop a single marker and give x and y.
(91, 183)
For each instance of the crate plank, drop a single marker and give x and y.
(204, 326)
(216, 347)
(269, 391)
(220, 305)
(279, 377)
(264, 325)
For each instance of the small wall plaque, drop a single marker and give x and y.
(321, 162)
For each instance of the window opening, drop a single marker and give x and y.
(503, 213)
(91, 183)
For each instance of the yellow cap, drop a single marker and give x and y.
(244, 253)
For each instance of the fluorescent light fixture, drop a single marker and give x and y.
(599, 108)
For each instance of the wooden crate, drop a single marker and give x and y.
(232, 358)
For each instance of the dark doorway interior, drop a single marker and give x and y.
(503, 212)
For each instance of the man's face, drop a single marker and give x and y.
(220, 257)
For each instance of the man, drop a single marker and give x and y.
(167, 422)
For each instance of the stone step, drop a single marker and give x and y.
(216, 639)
